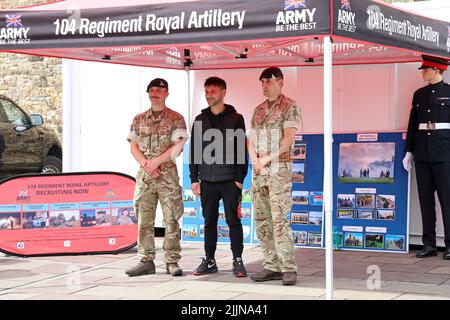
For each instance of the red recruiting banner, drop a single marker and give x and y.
(67, 214)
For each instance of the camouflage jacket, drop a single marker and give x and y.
(268, 123)
(155, 134)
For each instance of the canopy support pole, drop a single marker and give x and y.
(189, 120)
(328, 162)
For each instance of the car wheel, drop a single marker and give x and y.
(52, 165)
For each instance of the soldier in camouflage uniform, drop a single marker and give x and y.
(156, 138)
(273, 127)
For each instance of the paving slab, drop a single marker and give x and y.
(124, 292)
(441, 270)
(274, 289)
(193, 294)
(420, 297)
(17, 296)
(364, 295)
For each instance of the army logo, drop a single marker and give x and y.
(110, 194)
(295, 16)
(346, 18)
(14, 32)
(23, 196)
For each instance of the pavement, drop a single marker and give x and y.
(357, 275)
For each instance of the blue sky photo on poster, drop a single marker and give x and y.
(371, 162)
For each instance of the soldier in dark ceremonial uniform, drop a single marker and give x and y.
(428, 144)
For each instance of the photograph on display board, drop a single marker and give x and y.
(364, 214)
(315, 218)
(103, 217)
(202, 231)
(345, 200)
(353, 239)
(246, 196)
(385, 214)
(190, 231)
(300, 197)
(299, 217)
(65, 219)
(298, 172)
(374, 241)
(35, 220)
(345, 214)
(338, 239)
(88, 218)
(246, 232)
(223, 231)
(221, 213)
(364, 200)
(299, 150)
(123, 216)
(385, 201)
(395, 242)
(314, 238)
(189, 196)
(371, 162)
(300, 237)
(10, 221)
(316, 198)
(190, 212)
(246, 213)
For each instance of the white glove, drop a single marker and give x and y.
(407, 161)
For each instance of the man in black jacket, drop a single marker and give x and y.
(428, 142)
(218, 159)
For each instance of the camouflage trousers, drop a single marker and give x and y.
(168, 192)
(272, 204)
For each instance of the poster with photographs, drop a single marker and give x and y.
(371, 162)
(306, 215)
(371, 192)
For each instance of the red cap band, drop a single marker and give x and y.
(431, 64)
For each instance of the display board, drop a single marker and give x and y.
(67, 214)
(369, 193)
(307, 191)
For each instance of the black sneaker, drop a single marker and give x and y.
(207, 266)
(238, 268)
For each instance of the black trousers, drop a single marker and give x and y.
(231, 194)
(433, 177)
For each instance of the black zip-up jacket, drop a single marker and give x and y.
(211, 160)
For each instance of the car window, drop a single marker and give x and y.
(14, 115)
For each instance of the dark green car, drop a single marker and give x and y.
(25, 145)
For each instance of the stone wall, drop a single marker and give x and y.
(34, 83)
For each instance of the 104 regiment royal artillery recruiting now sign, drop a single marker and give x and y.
(67, 214)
